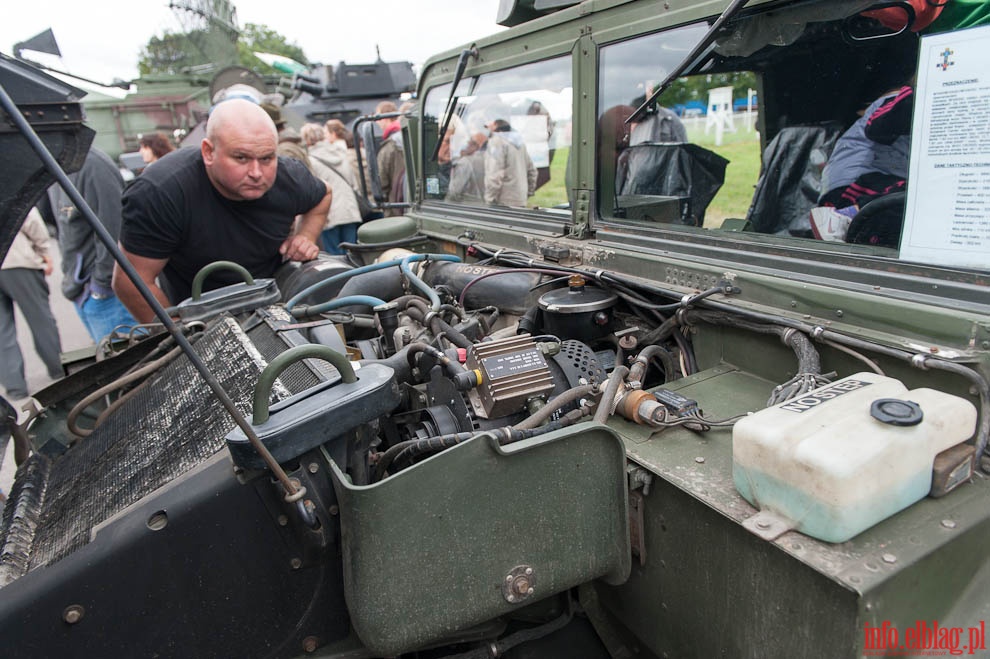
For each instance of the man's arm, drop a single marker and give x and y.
(129, 294)
(303, 245)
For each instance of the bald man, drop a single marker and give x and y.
(233, 199)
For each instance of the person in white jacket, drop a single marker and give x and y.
(329, 162)
(22, 281)
(510, 177)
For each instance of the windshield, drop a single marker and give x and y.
(508, 141)
(791, 127)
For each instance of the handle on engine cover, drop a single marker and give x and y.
(267, 378)
(207, 270)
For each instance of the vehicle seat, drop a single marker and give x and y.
(791, 178)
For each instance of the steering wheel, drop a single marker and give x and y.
(879, 222)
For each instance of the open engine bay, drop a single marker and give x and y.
(620, 420)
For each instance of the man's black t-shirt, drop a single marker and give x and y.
(172, 211)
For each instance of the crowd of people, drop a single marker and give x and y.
(484, 159)
(256, 192)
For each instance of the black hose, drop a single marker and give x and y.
(809, 360)
(463, 378)
(554, 404)
(605, 403)
(412, 448)
(499, 648)
(417, 309)
(436, 443)
(529, 322)
(399, 362)
(642, 362)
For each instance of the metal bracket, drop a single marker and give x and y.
(519, 584)
(637, 530)
(768, 525)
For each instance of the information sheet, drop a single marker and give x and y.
(948, 208)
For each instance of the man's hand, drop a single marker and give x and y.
(302, 245)
(299, 248)
(48, 264)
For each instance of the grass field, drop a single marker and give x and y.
(553, 193)
(742, 150)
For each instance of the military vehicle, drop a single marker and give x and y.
(177, 103)
(642, 413)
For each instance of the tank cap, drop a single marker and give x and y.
(896, 412)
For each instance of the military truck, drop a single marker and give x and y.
(645, 412)
(178, 103)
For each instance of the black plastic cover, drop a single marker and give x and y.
(687, 171)
(896, 412)
(53, 109)
(234, 299)
(314, 417)
(791, 179)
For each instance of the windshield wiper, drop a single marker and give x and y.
(705, 42)
(448, 113)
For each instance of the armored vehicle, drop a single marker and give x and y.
(645, 409)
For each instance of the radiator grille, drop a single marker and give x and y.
(172, 425)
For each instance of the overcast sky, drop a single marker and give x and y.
(101, 39)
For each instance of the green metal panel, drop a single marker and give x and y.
(708, 587)
(427, 551)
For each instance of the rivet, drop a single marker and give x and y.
(313, 467)
(948, 523)
(310, 644)
(295, 563)
(334, 510)
(763, 524)
(158, 521)
(73, 614)
(283, 520)
(529, 570)
(838, 312)
(699, 459)
(511, 598)
(508, 578)
(889, 558)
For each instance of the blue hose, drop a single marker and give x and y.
(402, 263)
(419, 283)
(369, 300)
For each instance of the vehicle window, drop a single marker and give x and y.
(508, 141)
(765, 133)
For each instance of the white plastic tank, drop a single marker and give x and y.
(834, 462)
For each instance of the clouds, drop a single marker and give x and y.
(103, 40)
